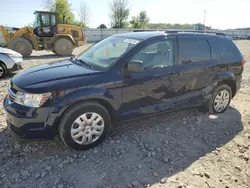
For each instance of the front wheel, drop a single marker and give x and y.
(84, 125)
(220, 99)
(2, 70)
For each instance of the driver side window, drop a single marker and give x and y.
(156, 55)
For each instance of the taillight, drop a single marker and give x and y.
(243, 62)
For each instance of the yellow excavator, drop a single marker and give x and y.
(46, 34)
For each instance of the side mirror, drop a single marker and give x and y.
(135, 66)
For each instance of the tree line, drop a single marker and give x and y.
(119, 16)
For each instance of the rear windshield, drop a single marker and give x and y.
(225, 50)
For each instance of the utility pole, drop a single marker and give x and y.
(204, 19)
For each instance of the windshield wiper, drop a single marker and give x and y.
(83, 62)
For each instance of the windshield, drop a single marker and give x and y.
(103, 54)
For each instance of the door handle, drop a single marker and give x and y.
(186, 61)
(174, 74)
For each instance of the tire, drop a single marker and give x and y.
(22, 46)
(63, 47)
(213, 103)
(2, 70)
(68, 126)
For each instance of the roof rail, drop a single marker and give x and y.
(195, 31)
(145, 30)
(180, 31)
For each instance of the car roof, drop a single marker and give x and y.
(141, 35)
(144, 35)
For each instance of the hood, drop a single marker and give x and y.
(52, 76)
(8, 51)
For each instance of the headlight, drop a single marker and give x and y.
(15, 56)
(31, 100)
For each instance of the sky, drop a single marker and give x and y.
(220, 14)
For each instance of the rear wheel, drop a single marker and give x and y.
(63, 47)
(22, 46)
(220, 99)
(2, 70)
(85, 125)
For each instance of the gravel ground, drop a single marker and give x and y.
(183, 149)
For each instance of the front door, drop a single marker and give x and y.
(153, 89)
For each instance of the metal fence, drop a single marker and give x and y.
(95, 35)
(237, 33)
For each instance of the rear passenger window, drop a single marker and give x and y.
(225, 50)
(193, 50)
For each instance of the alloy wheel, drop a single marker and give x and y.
(221, 100)
(1, 71)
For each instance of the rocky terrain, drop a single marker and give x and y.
(184, 149)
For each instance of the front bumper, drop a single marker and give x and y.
(16, 67)
(29, 123)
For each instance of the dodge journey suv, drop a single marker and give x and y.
(123, 77)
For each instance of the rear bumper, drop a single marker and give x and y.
(238, 84)
(28, 123)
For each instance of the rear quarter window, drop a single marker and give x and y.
(225, 50)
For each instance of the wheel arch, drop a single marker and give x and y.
(60, 36)
(97, 95)
(231, 83)
(227, 78)
(100, 101)
(104, 103)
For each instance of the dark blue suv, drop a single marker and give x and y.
(123, 77)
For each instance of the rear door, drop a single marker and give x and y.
(195, 69)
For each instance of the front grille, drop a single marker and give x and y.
(12, 94)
